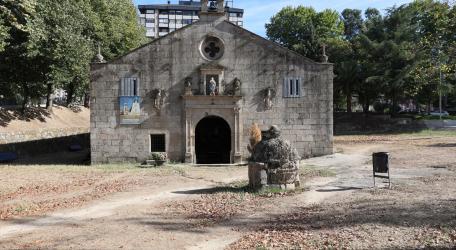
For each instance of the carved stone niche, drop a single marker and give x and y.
(211, 73)
(188, 86)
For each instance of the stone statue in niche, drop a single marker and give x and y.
(269, 96)
(188, 86)
(212, 87)
(159, 98)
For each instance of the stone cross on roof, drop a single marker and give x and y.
(324, 57)
(100, 58)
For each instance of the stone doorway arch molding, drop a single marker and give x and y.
(227, 107)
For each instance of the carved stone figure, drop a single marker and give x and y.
(268, 104)
(212, 86)
(188, 86)
(159, 98)
(274, 162)
(233, 88)
(237, 87)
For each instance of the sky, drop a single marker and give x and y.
(258, 12)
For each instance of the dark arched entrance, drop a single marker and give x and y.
(213, 141)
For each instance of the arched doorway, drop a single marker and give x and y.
(213, 141)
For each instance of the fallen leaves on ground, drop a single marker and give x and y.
(379, 218)
(217, 207)
(39, 199)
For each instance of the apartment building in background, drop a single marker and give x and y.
(161, 19)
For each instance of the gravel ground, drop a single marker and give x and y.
(419, 212)
(185, 207)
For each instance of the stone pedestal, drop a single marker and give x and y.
(258, 177)
(261, 176)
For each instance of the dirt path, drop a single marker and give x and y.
(140, 219)
(137, 220)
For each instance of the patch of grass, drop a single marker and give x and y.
(310, 171)
(435, 117)
(20, 208)
(430, 133)
(273, 191)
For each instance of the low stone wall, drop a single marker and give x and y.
(443, 124)
(34, 135)
(358, 122)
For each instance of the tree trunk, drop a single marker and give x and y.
(49, 97)
(394, 103)
(349, 102)
(70, 95)
(366, 105)
(86, 100)
(26, 98)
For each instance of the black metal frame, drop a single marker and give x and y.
(381, 176)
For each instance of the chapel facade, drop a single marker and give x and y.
(195, 93)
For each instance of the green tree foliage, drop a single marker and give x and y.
(435, 70)
(115, 26)
(400, 55)
(305, 30)
(4, 34)
(17, 74)
(58, 40)
(52, 43)
(348, 68)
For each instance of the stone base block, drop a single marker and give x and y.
(258, 176)
(261, 177)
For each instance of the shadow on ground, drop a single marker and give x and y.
(214, 190)
(52, 151)
(439, 213)
(338, 189)
(443, 145)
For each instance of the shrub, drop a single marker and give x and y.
(159, 156)
(380, 107)
(255, 137)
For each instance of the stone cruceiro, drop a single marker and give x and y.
(274, 162)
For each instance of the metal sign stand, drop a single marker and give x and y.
(381, 165)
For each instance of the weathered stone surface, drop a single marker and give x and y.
(275, 161)
(167, 62)
(258, 177)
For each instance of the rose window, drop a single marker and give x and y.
(212, 48)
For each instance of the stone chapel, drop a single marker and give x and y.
(195, 93)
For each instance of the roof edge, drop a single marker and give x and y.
(147, 44)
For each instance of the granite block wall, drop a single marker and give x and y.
(306, 121)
